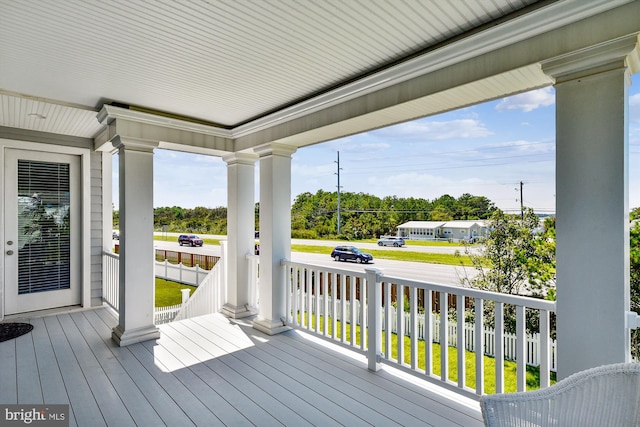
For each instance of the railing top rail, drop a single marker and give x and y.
(359, 274)
(530, 302)
(111, 254)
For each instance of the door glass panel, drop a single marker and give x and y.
(43, 227)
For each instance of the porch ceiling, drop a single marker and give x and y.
(252, 65)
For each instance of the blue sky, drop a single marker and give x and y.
(485, 150)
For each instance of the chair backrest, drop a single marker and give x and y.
(604, 396)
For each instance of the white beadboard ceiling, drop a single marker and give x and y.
(225, 62)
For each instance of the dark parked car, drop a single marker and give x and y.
(190, 239)
(350, 253)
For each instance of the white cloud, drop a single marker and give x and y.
(528, 101)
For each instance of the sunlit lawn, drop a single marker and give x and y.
(533, 373)
(398, 255)
(169, 293)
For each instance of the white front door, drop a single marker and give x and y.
(42, 230)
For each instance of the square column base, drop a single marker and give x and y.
(270, 327)
(236, 312)
(125, 338)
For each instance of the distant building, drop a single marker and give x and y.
(443, 230)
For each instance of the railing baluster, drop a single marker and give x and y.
(460, 340)
(315, 278)
(479, 345)
(428, 331)
(325, 300)
(308, 286)
(289, 293)
(388, 314)
(334, 305)
(374, 332)
(499, 346)
(301, 278)
(444, 337)
(413, 329)
(400, 323)
(353, 307)
(364, 289)
(343, 308)
(544, 349)
(293, 281)
(521, 353)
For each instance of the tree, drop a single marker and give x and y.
(514, 259)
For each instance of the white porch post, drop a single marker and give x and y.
(137, 276)
(592, 206)
(275, 234)
(240, 231)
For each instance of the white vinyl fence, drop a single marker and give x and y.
(180, 273)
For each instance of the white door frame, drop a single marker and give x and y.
(85, 213)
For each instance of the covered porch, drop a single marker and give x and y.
(212, 370)
(137, 89)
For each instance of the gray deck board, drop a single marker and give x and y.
(84, 405)
(29, 389)
(212, 371)
(168, 410)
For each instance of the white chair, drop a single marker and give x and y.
(604, 396)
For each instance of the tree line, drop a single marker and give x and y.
(363, 216)
(315, 216)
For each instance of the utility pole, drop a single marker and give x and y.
(521, 202)
(339, 187)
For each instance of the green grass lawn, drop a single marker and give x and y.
(394, 254)
(169, 293)
(533, 373)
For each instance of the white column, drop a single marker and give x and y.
(275, 234)
(137, 275)
(240, 231)
(592, 206)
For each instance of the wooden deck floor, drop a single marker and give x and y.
(211, 371)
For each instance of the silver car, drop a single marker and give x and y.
(391, 241)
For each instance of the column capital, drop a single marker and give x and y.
(614, 55)
(133, 144)
(275, 149)
(241, 159)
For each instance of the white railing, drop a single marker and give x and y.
(305, 281)
(111, 279)
(254, 281)
(211, 295)
(180, 273)
(111, 290)
(510, 340)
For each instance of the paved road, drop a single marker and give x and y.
(434, 273)
(330, 243)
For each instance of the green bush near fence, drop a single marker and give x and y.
(533, 373)
(169, 293)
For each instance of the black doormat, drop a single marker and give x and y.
(9, 331)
